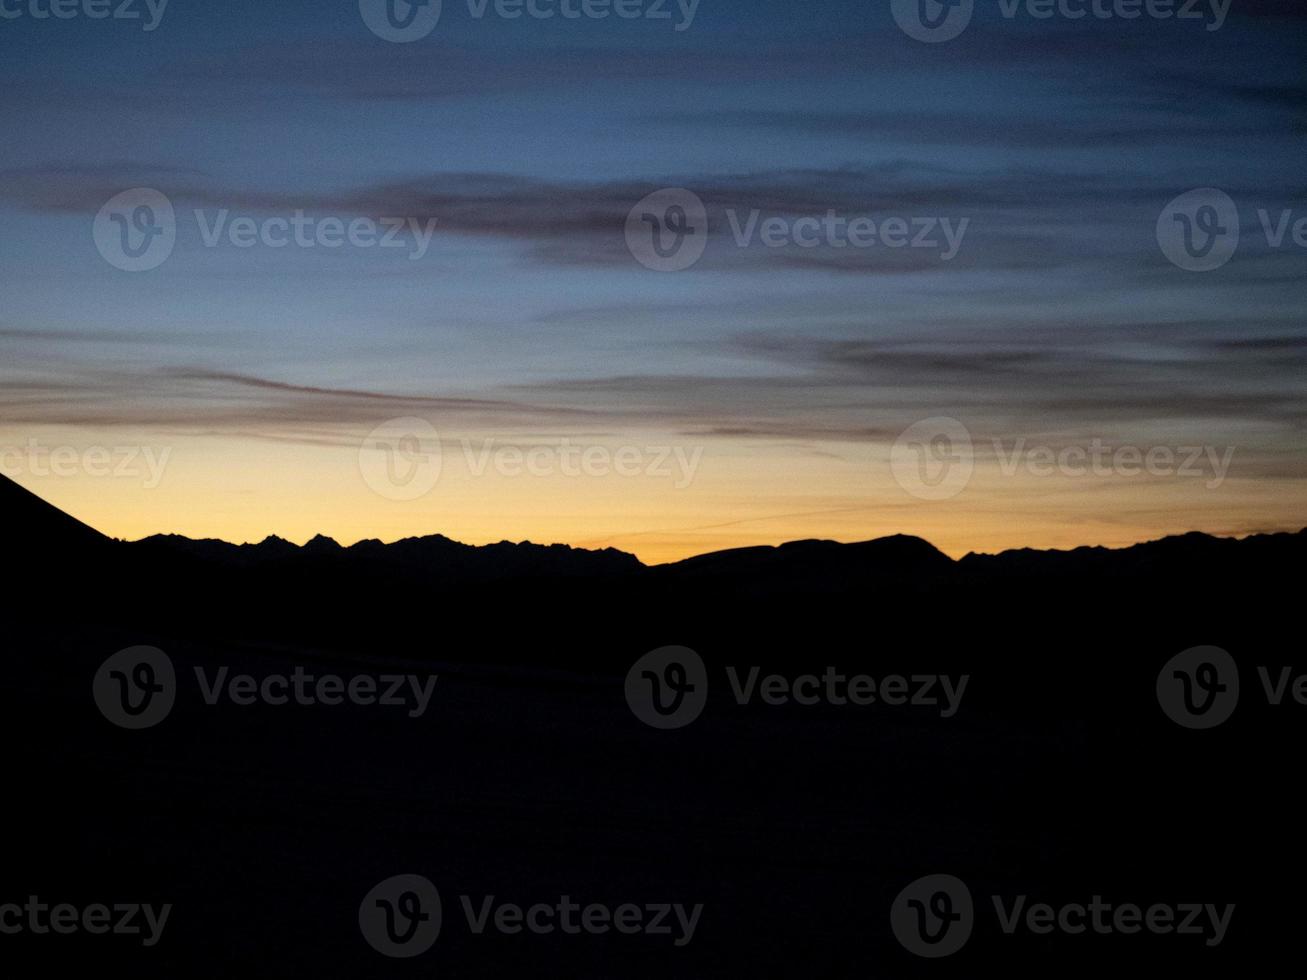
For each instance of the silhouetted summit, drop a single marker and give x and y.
(898, 564)
(1181, 555)
(816, 566)
(31, 523)
(433, 558)
(321, 544)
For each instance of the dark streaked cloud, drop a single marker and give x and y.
(1094, 129)
(1016, 219)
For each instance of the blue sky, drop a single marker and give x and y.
(527, 142)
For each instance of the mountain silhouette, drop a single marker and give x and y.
(530, 775)
(36, 526)
(899, 563)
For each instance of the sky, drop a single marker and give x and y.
(1025, 279)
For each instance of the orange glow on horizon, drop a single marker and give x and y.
(733, 494)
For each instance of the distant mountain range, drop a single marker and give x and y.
(899, 563)
(532, 774)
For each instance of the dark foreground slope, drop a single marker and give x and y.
(529, 777)
(34, 527)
